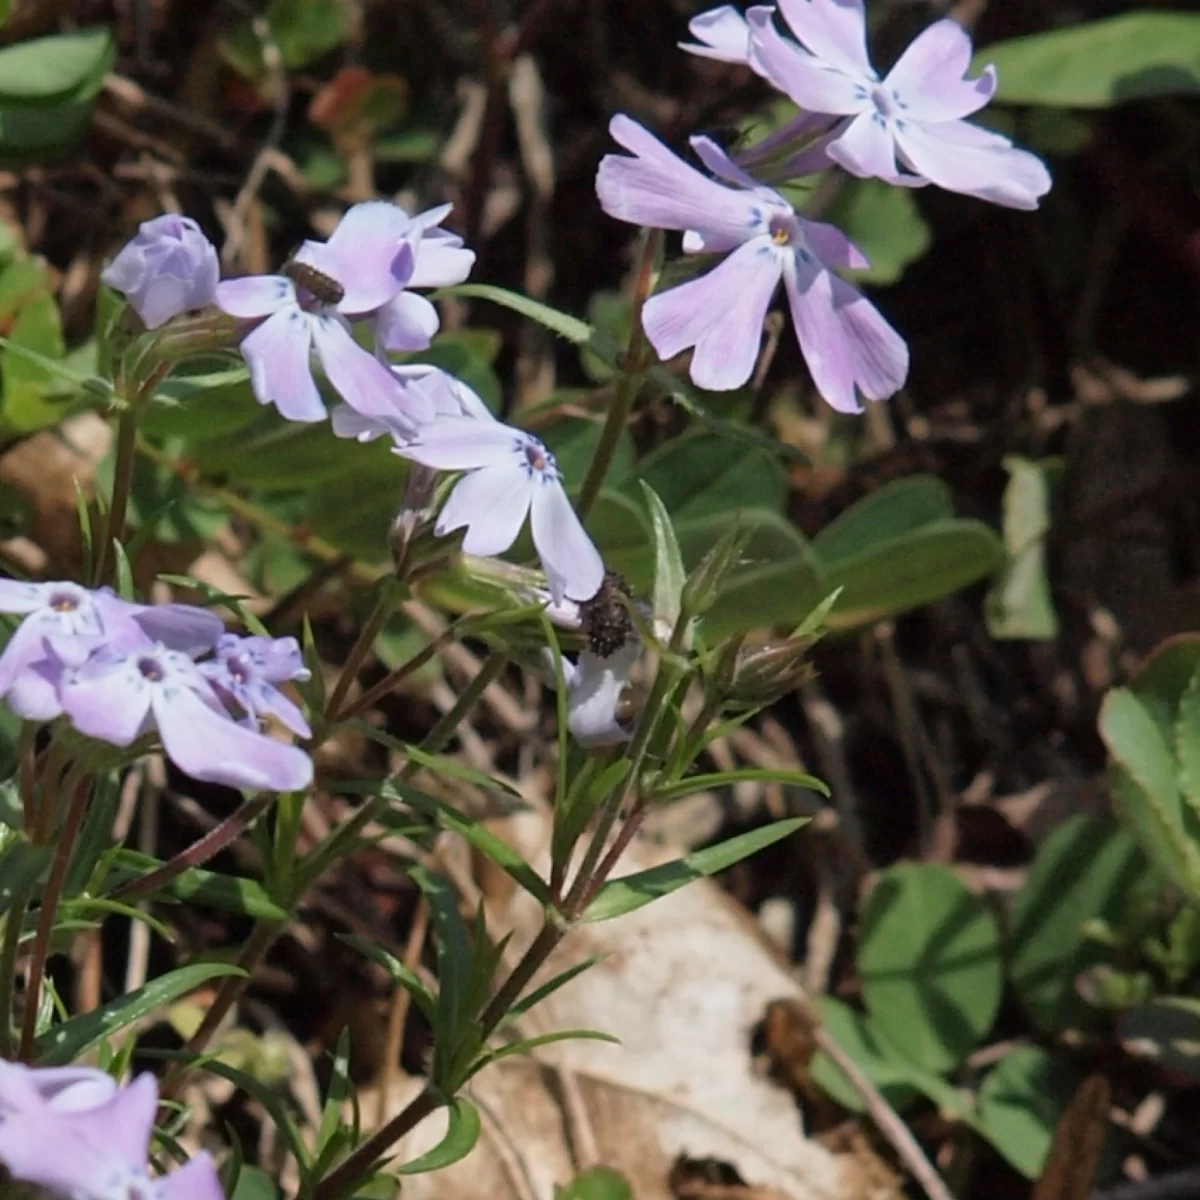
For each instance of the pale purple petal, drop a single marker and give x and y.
(952, 156)
(492, 504)
(350, 423)
(835, 30)
(255, 295)
(356, 374)
(843, 338)
(865, 147)
(573, 566)
(463, 444)
(289, 714)
(721, 314)
(720, 33)
(34, 692)
(208, 746)
(121, 1126)
(168, 268)
(63, 1089)
(928, 78)
(442, 259)
(426, 222)
(24, 647)
(177, 626)
(32, 1149)
(19, 596)
(593, 693)
(369, 253)
(799, 129)
(805, 79)
(659, 189)
(405, 323)
(197, 1179)
(109, 700)
(277, 353)
(832, 246)
(721, 165)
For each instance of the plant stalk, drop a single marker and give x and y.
(118, 508)
(9, 950)
(383, 609)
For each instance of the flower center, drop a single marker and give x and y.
(887, 104)
(323, 288)
(535, 455)
(237, 669)
(151, 669)
(64, 602)
(784, 230)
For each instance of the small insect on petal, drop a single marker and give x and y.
(325, 288)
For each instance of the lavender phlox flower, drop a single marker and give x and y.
(169, 267)
(100, 1152)
(594, 685)
(848, 345)
(365, 263)
(64, 622)
(408, 321)
(119, 695)
(246, 671)
(908, 128)
(510, 475)
(721, 33)
(439, 391)
(63, 1089)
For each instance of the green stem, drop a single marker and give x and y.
(80, 788)
(637, 357)
(118, 508)
(383, 609)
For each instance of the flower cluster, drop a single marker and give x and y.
(118, 670)
(46, 1111)
(907, 129)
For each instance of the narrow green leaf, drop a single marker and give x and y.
(461, 1136)
(339, 1088)
(550, 987)
(561, 323)
(669, 573)
(620, 896)
(545, 1039)
(21, 865)
(717, 779)
(453, 943)
(66, 1042)
(422, 997)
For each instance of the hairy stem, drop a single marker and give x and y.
(118, 507)
(638, 355)
(359, 651)
(81, 790)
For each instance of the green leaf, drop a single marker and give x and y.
(476, 835)
(64, 1043)
(929, 961)
(1019, 604)
(304, 30)
(620, 896)
(1187, 743)
(1085, 870)
(889, 512)
(202, 407)
(550, 987)
(253, 1183)
(33, 396)
(335, 1095)
(461, 1135)
(51, 68)
(21, 865)
(705, 783)
(228, 893)
(596, 1183)
(855, 1034)
(1020, 1102)
(918, 568)
(1167, 1031)
(669, 575)
(454, 955)
(885, 223)
(561, 323)
(545, 1039)
(469, 355)
(399, 971)
(1097, 64)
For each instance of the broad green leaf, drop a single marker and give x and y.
(917, 568)
(1096, 64)
(1085, 870)
(1021, 1100)
(885, 223)
(49, 68)
(1187, 743)
(561, 323)
(857, 1036)
(21, 865)
(65, 1043)
(1166, 1031)
(469, 355)
(669, 574)
(355, 511)
(26, 130)
(611, 313)
(620, 896)
(596, 1183)
(33, 396)
(476, 835)
(1019, 604)
(889, 512)
(303, 30)
(203, 407)
(462, 1132)
(253, 1183)
(929, 961)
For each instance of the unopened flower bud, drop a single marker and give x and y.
(169, 267)
(763, 673)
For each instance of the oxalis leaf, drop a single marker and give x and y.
(620, 896)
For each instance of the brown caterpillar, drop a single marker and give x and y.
(322, 286)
